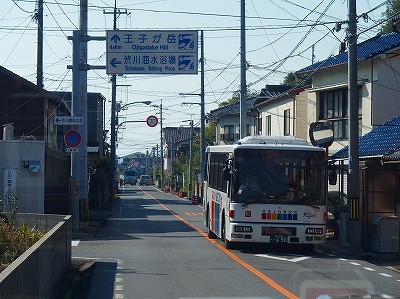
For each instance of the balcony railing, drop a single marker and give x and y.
(229, 137)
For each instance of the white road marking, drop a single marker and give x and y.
(385, 275)
(369, 269)
(119, 296)
(294, 260)
(354, 263)
(75, 243)
(119, 287)
(299, 259)
(272, 257)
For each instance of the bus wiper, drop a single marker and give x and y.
(316, 208)
(246, 204)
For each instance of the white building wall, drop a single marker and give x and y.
(276, 110)
(385, 90)
(303, 118)
(29, 185)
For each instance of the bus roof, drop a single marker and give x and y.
(266, 142)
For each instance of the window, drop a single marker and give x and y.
(333, 106)
(216, 176)
(268, 125)
(259, 125)
(286, 124)
(228, 134)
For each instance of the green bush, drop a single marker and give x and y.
(16, 240)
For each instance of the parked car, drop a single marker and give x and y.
(144, 179)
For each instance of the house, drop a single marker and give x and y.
(34, 167)
(95, 124)
(378, 62)
(227, 119)
(283, 113)
(379, 155)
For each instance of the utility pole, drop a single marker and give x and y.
(161, 150)
(243, 86)
(202, 114)
(190, 159)
(154, 165)
(79, 183)
(39, 70)
(113, 136)
(353, 188)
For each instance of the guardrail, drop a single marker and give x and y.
(39, 269)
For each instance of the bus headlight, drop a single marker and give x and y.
(245, 229)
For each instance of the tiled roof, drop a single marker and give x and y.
(232, 109)
(381, 141)
(365, 50)
(176, 135)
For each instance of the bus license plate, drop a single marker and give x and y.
(279, 239)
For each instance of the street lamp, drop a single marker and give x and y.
(128, 121)
(120, 107)
(125, 106)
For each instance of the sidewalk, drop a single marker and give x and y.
(389, 261)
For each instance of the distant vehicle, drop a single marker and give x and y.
(130, 177)
(144, 179)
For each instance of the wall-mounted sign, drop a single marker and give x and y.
(68, 120)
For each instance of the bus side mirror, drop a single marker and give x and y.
(227, 170)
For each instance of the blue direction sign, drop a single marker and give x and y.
(72, 138)
(152, 52)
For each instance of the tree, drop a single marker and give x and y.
(181, 162)
(236, 97)
(291, 79)
(392, 15)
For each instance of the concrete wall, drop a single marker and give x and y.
(29, 185)
(36, 273)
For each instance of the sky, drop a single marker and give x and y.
(282, 36)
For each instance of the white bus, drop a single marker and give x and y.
(289, 203)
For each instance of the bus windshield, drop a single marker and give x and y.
(284, 176)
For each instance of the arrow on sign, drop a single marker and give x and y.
(115, 38)
(114, 62)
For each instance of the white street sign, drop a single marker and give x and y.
(152, 52)
(71, 149)
(68, 120)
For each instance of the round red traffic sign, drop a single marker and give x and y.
(72, 138)
(152, 121)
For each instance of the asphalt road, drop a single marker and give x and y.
(155, 246)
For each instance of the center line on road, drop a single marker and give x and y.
(272, 283)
